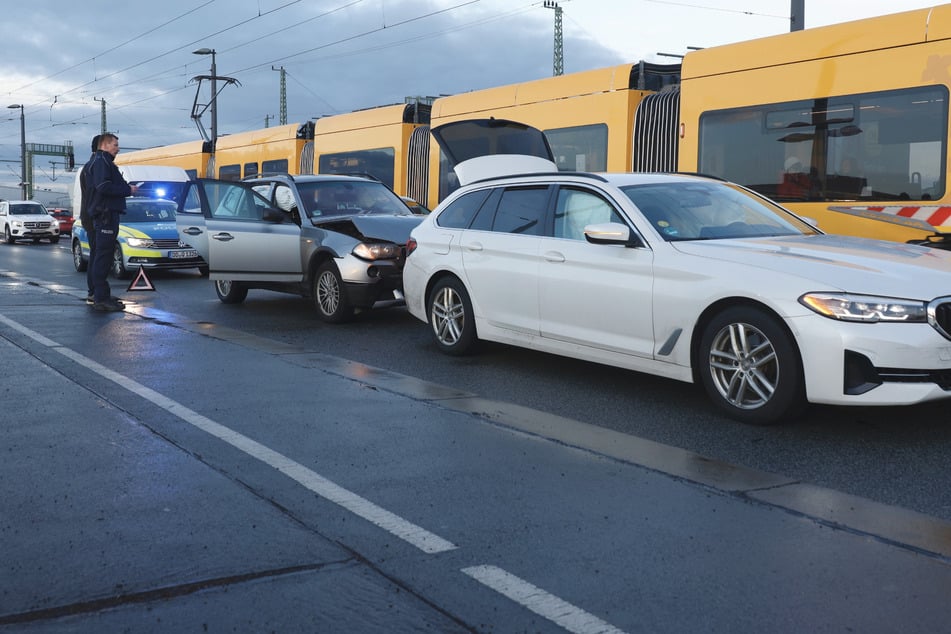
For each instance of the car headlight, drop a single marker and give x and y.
(376, 251)
(140, 243)
(17, 223)
(866, 308)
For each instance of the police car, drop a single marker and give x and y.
(148, 237)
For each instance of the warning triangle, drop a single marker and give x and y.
(141, 282)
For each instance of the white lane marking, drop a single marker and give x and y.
(405, 530)
(562, 613)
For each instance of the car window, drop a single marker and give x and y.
(148, 211)
(239, 203)
(577, 208)
(264, 189)
(350, 197)
(521, 210)
(26, 209)
(705, 211)
(192, 202)
(460, 212)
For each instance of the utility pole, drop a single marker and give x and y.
(25, 186)
(797, 15)
(283, 113)
(214, 93)
(199, 109)
(267, 120)
(558, 65)
(102, 117)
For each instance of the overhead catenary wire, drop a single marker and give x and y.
(261, 66)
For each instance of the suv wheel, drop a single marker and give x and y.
(230, 292)
(8, 236)
(330, 299)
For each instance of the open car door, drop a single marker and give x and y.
(239, 233)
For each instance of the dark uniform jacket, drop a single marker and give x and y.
(103, 188)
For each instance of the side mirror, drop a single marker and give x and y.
(610, 233)
(274, 215)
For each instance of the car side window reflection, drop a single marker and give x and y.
(575, 209)
(521, 210)
(192, 203)
(459, 213)
(236, 202)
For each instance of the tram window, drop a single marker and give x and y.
(580, 148)
(229, 172)
(274, 167)
(377, 163)
(888, 145)
(250, 169)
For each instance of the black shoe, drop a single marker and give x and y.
(112, 300)
(108, 306)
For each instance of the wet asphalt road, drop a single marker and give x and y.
(195, 535)
(898, 456)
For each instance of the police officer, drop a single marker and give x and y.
(108, 191)
(85, 219)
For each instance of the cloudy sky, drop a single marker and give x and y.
(61, 58)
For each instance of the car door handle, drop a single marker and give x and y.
(554, 256)
(224, 237)
(192, 231)
(474, 246)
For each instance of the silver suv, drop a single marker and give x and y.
(339, 240)
(27, 220)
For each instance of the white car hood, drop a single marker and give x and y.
(833, 262)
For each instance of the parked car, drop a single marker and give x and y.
(414, 206)
(65, 219)
(680, 276)
(27, 220)
(338, 240)
(147, 237)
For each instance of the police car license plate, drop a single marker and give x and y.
(183, 255)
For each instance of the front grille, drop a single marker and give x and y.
(939, 316)
(36, 225)
(941, 378)
(167, 244)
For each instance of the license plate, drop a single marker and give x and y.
(182, 255)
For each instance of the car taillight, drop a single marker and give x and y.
(411, 245)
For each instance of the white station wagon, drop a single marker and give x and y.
(680, 276)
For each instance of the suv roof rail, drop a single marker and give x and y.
(590, 175)
(710, 176)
